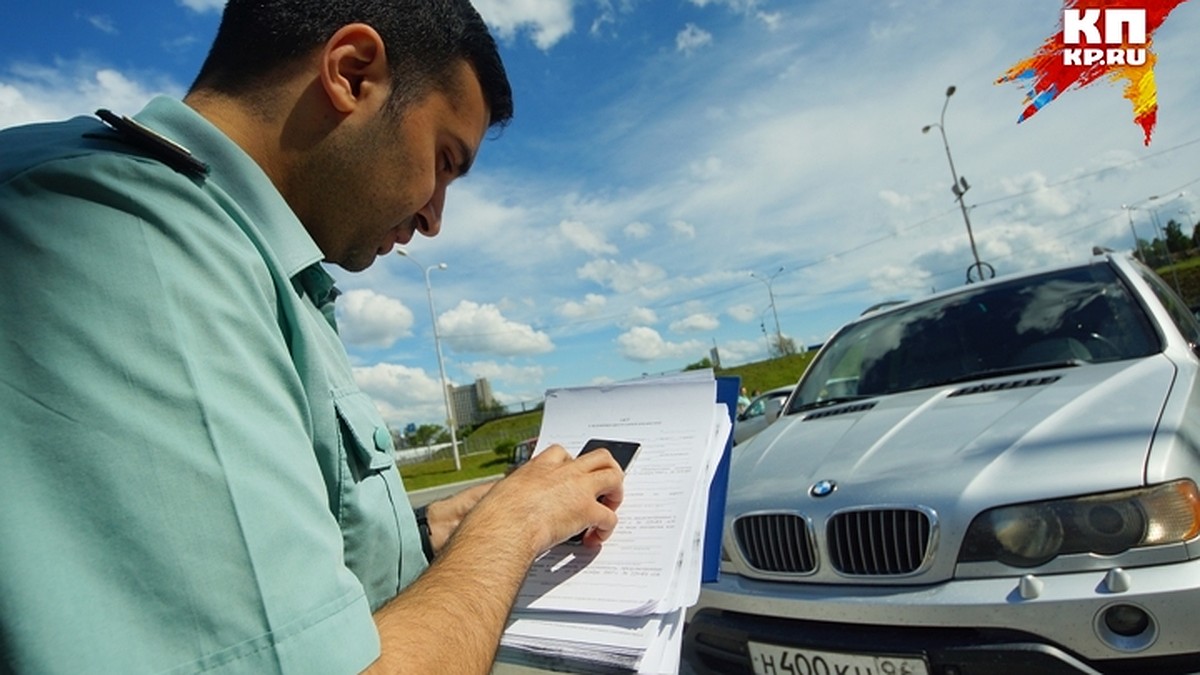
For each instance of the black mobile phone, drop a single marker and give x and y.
(622, 451)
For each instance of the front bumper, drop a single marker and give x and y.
(961, 627)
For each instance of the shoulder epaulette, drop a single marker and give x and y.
(158, 146)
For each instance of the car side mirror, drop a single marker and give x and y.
(774, 407)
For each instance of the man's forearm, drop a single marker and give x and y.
(451, 618)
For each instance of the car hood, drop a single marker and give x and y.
(962, 448)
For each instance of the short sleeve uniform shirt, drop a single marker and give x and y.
(191, 480)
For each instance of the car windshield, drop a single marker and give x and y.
(1067, 317)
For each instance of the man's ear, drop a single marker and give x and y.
(353, 68)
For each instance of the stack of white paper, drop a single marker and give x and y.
(620, 608)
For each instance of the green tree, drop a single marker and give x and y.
(784, 346)
(1177, 241)
(427, 434)
(700, 365)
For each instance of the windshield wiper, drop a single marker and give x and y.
(1005, 372)
(826, 402)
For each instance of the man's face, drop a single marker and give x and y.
(388, 177)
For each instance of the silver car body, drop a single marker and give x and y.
(761, 412)
(941, 455)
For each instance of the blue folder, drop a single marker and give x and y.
(727, 393)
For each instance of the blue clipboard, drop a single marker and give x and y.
(727, 393)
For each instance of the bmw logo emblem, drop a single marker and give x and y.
(822, 488)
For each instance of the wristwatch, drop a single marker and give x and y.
(422, 516)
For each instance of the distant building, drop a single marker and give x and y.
(472, 403)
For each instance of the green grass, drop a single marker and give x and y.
(441, 471)
(1187, 274)
(479, 458)
(764, 375)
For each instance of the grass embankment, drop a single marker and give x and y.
(479, 456)
(441, 471)
(1184, 277)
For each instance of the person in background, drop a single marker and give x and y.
(193, 482)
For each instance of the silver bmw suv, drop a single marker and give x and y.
(1001, 478)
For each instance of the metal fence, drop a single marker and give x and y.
(476, 443)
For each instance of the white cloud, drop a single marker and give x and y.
(592, 305)
(645, 344)
(747, 7)
(402, 394)
(773, 20)
(696, 323)
(742, 313)
(637, 230)
(1044, 200)
(896, 200)
(735, 5)
(692, 38)
(907, 281)
(640, 316)
(585, 238)
(706, 169)
(736, 352)
(547, 21)
(683, 229)
(203, 5)
(504, 372)
(472, 327)
(102, 23)
(37, 93)
(369, 319)
(624, 277)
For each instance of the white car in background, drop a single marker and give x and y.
(763, 410)
(1001, 478)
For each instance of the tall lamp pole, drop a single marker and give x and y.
(1163, 233)
(1137, 244)
(771, 294)
(437, 344)
(982, 270)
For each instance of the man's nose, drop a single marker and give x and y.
(430, 216)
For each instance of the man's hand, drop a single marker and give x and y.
(554, 496)
(444, 515)
(450, 619)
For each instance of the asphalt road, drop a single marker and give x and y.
(423, 497)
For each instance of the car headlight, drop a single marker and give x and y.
(1028, 535)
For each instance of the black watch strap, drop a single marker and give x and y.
(423, 527)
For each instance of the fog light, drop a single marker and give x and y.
(1125, 627)
(1126, 620)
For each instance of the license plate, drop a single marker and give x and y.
(775, 660)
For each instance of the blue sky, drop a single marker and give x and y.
(664, 150)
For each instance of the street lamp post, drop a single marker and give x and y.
(959, 188)
(1163, 233)
(1137, 245)
(771, 295)
(437, 345)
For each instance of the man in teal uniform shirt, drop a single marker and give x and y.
(192, 481)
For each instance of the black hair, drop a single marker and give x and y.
(259, 39)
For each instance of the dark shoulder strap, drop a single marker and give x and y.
(155, 144)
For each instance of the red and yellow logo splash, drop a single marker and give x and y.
(1109, 39)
